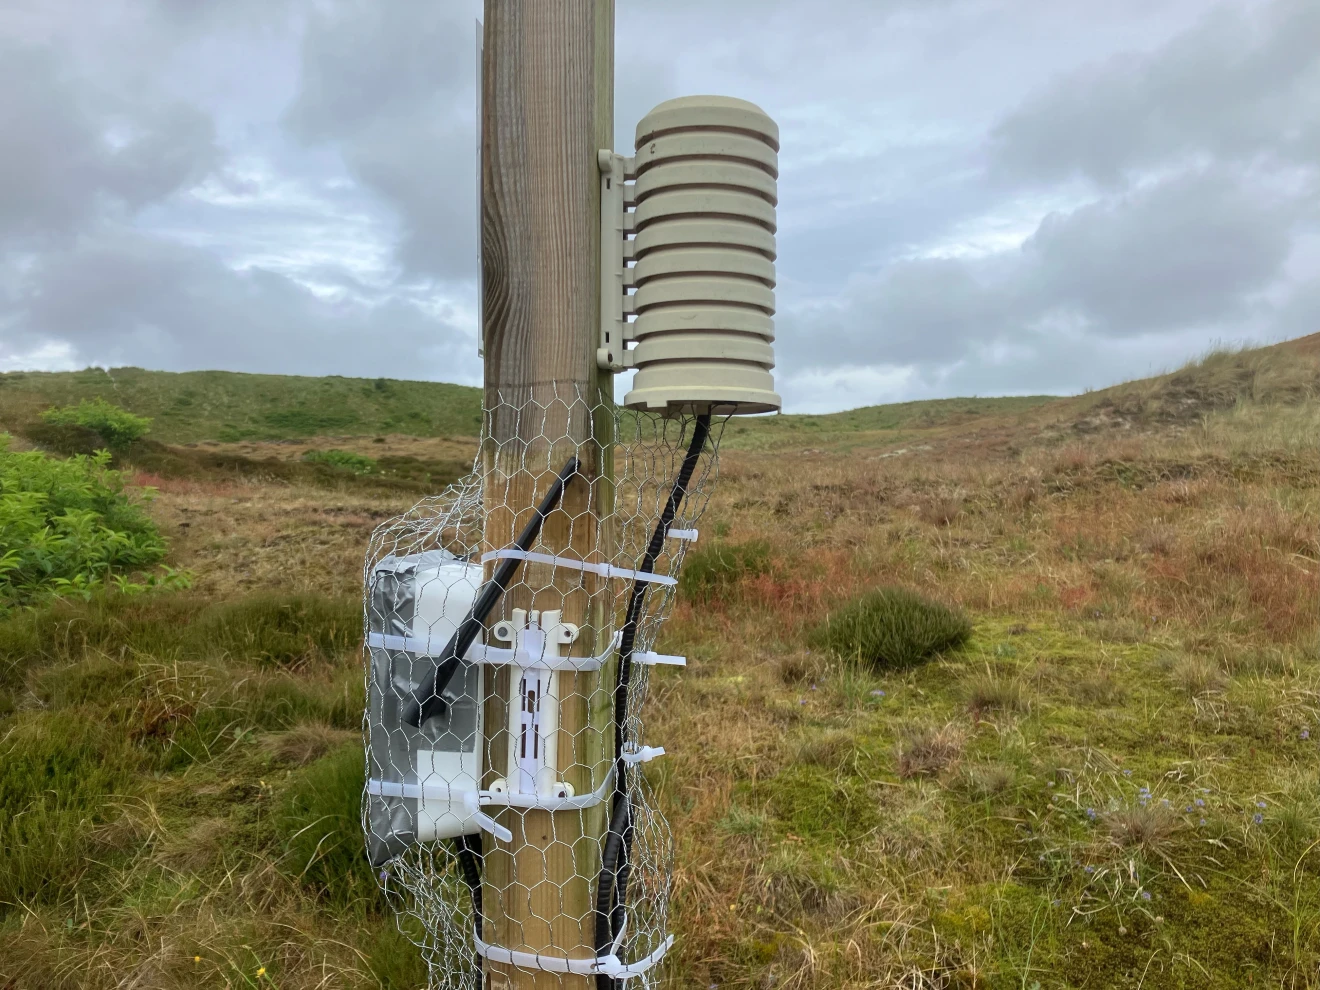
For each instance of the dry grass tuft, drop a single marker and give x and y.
(1148, 827)
(1196, 676)
(986, 780)
(991, 691)
(202, 844)
(941, 510)
(832, 750)
(925, 751)
(798, 668)
(307, 742)
(1100, 688)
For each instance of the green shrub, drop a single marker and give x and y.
(712, 571)
(67, 525)
(320, 823)
(117, 427)
(892, 627)
(345, 459)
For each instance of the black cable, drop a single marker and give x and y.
(611, 887)
(468, 850)
(424, 701)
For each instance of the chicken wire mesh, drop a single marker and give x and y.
(506, 808)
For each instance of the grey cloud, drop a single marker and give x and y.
(1300, 314)
(71, 154)
(347, 200)
(1241, 84)
(1192, 253)
(393, 87)
(913, 312)
(1189, 250)
(119, 296)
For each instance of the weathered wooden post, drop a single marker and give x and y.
(547, 108)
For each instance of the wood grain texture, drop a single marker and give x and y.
(547, 107)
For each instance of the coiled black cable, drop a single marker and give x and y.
(612, 885)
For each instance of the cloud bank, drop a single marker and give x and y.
(977, 196)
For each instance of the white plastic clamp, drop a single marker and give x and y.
(634, 754)
(470, 799)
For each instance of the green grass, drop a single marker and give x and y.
(321, 828)
(186, 407)
(92, 651)
(1085, 846)
(179, 774)
(151, 771)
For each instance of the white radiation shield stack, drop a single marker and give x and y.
(704, 251)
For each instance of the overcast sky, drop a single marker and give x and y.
(976, 196)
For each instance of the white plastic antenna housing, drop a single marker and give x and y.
(706, 170)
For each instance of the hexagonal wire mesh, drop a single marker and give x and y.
(450, 780)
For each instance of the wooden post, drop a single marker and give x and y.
(547, 108)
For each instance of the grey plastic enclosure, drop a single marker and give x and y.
(417, 777)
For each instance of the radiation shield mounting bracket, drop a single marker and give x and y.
(616, 223)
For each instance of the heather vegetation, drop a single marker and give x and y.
(1110, 779)
(891, 627)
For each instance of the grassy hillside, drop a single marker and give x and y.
(1114, 783)
(229, 407)
(226, 406)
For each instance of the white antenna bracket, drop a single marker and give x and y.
(616, 197)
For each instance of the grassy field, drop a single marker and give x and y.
(1116, 782)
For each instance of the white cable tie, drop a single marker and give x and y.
(497, 656)
(648, 657)
(642, 754)
(609, 965)
(683, 534)
(603, 569)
